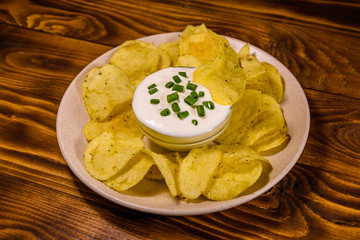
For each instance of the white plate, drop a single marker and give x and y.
(153, 196)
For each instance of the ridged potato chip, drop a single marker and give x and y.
(222, 76)
(196, 170)
(103, 89)
(146, 58)
(108, 153)
(132, 173)
(123, 120)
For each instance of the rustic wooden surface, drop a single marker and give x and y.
(44, 44)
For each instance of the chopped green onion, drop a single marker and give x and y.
(152, 91)
(172, 97)
(209, 104)
(183, 74)
(175, 107)
(176, 79)
(190, 100)
(200, 110)
(201, 94)
(194, 94)
(195, 122)
(152, 86)
(183, 115)
(154, 101)
(191, 86)
(165, 112)
(169, 84)
(178, 88)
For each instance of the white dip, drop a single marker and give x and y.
(149, 115)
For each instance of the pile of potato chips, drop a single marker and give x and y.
(117, 154)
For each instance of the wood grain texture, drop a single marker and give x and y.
(45, 44)
(306, 40)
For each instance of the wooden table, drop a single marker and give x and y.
(45, 44)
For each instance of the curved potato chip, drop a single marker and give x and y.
(172, 50)
(196, 170)
(276, 86)
(132, 173)
(168, 169)
(103, 89)
(108, 153)
(222, 76)
(200, 42)
(261, 76)
(244, 111)
(270, 121)
(239, 169)
(145, 59)
(124, 120)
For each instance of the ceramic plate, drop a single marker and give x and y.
(153, 196)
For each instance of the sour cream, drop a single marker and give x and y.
(170, 131)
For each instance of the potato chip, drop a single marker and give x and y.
(132, 173)
(199, 42)
(172, 49)
(269, 144)
(187, 61)
(168, 169)
(108, 153)
(276, 85)
(261, 76)
(270, 121)
(222, 76)
(103, 89)
(239, 169)
(244, 112)
(146, 58)
(123, 120)
(196, 170)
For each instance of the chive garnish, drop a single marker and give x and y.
(200, 110)
(165, 112)
(176, 79)
(209, 104)
(190, 100)
(201, 94)
(195, 122)
(183, 115)
(191, 86)
(172, 97)
(194, 94)
(178, 88)
(152, 91)
(183, 74)
(152, 86)
(175, 107)
(154, 101)
(169, 84)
